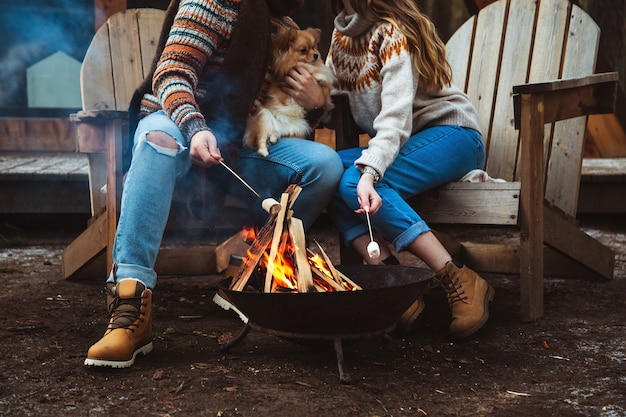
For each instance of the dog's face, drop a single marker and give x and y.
(292, 46)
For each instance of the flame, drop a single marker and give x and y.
(284, 274)
(249, 234)
(318, 262)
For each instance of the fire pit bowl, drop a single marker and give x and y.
(387, 291)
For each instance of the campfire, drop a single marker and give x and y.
(279, 253)
(330, 306)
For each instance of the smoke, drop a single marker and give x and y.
(31, 32)
(13, 72)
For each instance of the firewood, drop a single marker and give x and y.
(301, 261)
(294, 191)
(329, 264)
(354, 286)
(234, 245)
(263, 239)
(278, 230)
(284, 259)
(338, 276)
(284, 235)
(326, 279)
(260, 244)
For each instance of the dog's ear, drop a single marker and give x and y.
(284, 39)
(316, 33)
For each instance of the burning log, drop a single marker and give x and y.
(277, 239)
(303, 270)
(279, 252)
(260, 244)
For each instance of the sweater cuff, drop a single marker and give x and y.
(193, 126)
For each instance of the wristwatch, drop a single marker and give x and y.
(369, 170)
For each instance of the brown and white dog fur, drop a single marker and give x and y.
(280, 115)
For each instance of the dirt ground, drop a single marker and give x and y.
(572, 362)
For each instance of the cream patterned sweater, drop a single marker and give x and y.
(374, 68)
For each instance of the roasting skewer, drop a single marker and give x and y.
(373, 250)
(241, 179)
(267, 203)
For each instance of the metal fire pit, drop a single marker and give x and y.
(387, 292)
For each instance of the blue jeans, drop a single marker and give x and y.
(429, 158)
(156, 171)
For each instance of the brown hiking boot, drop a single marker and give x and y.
(468, 295)
(404, 323)
(130, 327)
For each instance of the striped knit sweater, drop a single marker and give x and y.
(374, 68)
(193, 54)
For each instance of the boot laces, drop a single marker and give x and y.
(125, 313)
(453, 288)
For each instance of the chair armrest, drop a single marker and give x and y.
(92, 127)
(98, 116)
(573, 97)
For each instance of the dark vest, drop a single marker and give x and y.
(226, 104)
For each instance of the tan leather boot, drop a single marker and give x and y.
(404, 323)
(130, 327)
(468, 295)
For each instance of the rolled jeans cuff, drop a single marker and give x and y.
(405, 238)
(143, 274)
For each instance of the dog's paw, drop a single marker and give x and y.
(263, 152)
(273, 138)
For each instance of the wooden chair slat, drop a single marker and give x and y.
(470, 203)
(458, 52)
(503, 139)
(484, 69)
(125, 53)
(97, 70)
(566, 152)
(547, 54)
(148, 37)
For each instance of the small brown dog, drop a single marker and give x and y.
(280, 115)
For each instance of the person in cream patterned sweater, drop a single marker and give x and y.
(424, 132)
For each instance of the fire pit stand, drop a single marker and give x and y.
(388, 290)
(344, 376)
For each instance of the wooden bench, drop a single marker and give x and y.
(602, 186)
(40, 172)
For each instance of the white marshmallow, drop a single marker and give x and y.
(373, 250)
(270, 205)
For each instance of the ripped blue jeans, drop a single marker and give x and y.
(428, 159)
(156, 171)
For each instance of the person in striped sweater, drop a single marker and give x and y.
(211, 65)
(424, 132)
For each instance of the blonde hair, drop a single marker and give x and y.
(429, 51)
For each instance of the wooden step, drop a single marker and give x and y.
(44, 182)
(602, 186)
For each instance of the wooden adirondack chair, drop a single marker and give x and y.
(117, 60)
(526, 65)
